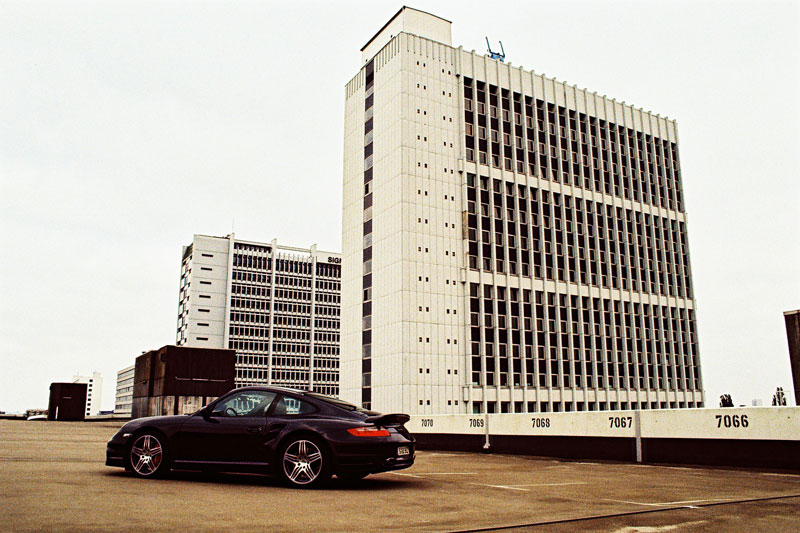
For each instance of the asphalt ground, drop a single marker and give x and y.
(53, 478)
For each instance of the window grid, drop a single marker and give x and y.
(302, 333)
(581, 342)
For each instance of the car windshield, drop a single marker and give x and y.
(335, 401)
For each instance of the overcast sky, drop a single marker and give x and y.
(126, 127)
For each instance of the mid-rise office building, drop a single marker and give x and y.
(511, 243)
(123, 401)
(277, 306)
(94, 392)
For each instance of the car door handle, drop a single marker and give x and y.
(254, 429)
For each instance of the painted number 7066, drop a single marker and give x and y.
(732, 421)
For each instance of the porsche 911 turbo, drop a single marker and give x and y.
(301, 437)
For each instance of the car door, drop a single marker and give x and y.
(232, 431)
(284, 411)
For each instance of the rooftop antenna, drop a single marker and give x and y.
(501, 55)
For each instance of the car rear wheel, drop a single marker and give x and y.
(147, 455)
(305, 462)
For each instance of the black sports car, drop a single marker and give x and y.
(302, 437)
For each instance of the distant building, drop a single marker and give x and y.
(124, 397)
(67, 401)
(792, 319)
(94, 392)
(176, 380)
(277, 306)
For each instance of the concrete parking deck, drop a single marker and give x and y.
(52, 477)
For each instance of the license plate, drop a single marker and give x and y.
(402, 450)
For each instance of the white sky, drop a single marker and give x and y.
(126, 127)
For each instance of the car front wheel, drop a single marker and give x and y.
(147, 455)
(304, 462)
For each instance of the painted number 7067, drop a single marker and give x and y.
(620, 421)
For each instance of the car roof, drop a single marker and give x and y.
(272, 388)
(317, 398)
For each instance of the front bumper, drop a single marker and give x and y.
(115, 451)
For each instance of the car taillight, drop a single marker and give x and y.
(368, 432)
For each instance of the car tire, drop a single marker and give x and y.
(304, 462)
(147, 455)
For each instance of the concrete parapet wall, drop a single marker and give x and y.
(749, 423)
(752, 436)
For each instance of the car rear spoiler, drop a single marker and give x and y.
(394, 419)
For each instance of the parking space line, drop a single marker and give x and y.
(686, 468)
(423, 474)
(520, 487)
(447, 473)
(508, 487)
(664, 504)
(550, 484)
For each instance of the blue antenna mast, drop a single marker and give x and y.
(501, 55)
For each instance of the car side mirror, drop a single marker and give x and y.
(212, 416)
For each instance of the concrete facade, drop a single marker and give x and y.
(792, 320)
(67, 401)
(94, 392)
(123, 399)
(277, 306)
(175, 380)
(511, 243)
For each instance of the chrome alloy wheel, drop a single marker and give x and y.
(146, 455)
(302, 462)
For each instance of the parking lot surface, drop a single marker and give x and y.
(53, 477)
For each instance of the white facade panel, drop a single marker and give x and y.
(94, 392)
(124, 396)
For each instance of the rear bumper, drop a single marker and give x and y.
(383, 465)
(374, 458)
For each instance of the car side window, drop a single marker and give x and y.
(252, 403)
(288, 406)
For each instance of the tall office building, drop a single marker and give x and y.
(277, 306)
(512, 243)
(94, 392)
